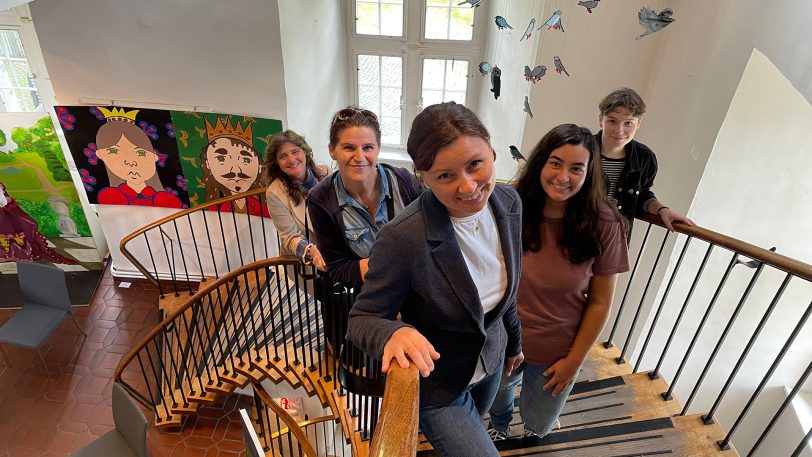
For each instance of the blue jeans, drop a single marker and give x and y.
(456, 429)
(539, 409)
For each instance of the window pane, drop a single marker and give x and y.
(462, 21)
(392, 71)
(436, 23)
(379, 17)
(392, 20)
(432, 97)
(369, 97)
(19, 91)
(433, 77)
(10, 44)
(390, 130)
(390, 101)
(456, 75)
(458, 97)
(366, 18)
(21, 75)
(438, 2)
(368, 67)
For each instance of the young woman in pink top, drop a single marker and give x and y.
(574, 245)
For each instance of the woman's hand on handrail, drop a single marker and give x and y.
(318, 260)
(408, 342)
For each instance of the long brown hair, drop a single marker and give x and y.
(294, 189)
(579, 238)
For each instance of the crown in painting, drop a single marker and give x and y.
(119, 114)
(226, 130)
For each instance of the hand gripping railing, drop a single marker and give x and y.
(396, 433)
(676, 338)
(204, 241)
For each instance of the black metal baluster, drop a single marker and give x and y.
(620, 359)
(254, 305)
(223, 235)
(722, 338)
(225, 355)
(724, 444)
(243, 327)
(170, 385)
(307, 299)
(667, 395)
(237, 234)
(180, 366)
(262, 222)
(211, 246)
(272, 316)
(803, 444)
(208, 347)
(197, 248)
(608, 343)
(197, 358)
(662, 302)
(781, 409)
(251, 229)
(154, 268)
(168, 262)
(708, 418)
(292, 318)
(158, 385)
(263, 433)
(299, 311)
(262, 289)
(182, 257)
(282, 319)
(655, 373)
(152, 396)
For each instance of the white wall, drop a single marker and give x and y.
(179, 53)
(314, 49)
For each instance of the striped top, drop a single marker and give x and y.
(613, 169)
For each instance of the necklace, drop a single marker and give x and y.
(470, 223)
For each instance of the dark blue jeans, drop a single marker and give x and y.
(456, 429)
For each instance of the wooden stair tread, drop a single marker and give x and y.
(601, 364)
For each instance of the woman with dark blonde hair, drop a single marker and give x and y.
(573, 247)
(449, 265)
(292, 173)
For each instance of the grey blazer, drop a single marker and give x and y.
(417, 269)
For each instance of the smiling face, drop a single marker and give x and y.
(129, 162)
(356, 153)
(462, 175)
(233, 164)
(619, 127)
(292, 161)
(564, 173)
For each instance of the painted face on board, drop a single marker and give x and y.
(565, 172)
(356, 153)
(462, 175)
(292, 161)
(619, 127)
(232, 164)
(129, 162)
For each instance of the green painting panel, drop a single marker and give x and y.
(195, 131)
(35, 173)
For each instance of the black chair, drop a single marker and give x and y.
(129, 438)
(47, 304)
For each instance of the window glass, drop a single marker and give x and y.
(446, 20)
(18, 89)
(379, 17)
(444, 80)
(380, 86)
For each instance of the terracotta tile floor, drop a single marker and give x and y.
(53, 416)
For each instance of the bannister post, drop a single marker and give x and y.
(396, 431)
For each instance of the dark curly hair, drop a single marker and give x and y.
(579, 238)
(295, 190)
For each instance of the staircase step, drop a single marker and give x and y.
(601, 363)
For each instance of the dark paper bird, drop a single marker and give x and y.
(554, 22)
(535, 74)
(528, 73)
(485, 68)
(529, 32)
(496, 82)
(654, 22)
(515, 154)
(589, 5)
(559, 67)
(473, 3)
(526, 110)
(502, 23)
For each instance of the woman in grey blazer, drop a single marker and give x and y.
(450, 265)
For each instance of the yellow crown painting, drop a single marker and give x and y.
(119, 114)
(226, 130)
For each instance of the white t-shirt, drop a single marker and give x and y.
(481, 248)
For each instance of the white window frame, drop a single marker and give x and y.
(413, 48)
(19, 19)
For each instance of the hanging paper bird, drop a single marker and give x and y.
(529, 32)
(485, 68)
(496, 82)
(559, 67)
(528, 74)
(526, 110)
(554, 22)
(589, 5)
(502, 23)
(654, 22)
(515, 154)
(473, 3)
(538, 72)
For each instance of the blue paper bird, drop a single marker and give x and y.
(559, 67)
(589, 5)
(529, 32)
(473, 3)
(554, 22)
(526, 110)
(485, 68)
(515, 154)
(502, 23)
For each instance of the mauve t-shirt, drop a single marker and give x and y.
(553, 292)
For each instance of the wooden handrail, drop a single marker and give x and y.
(396, 432)
(260, 264)
(197, 208)
(293, 427)
(781, 262)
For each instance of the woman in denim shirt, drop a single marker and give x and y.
(348, 208)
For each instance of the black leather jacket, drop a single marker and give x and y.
(634, 186)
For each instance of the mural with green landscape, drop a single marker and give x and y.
(35, 173)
